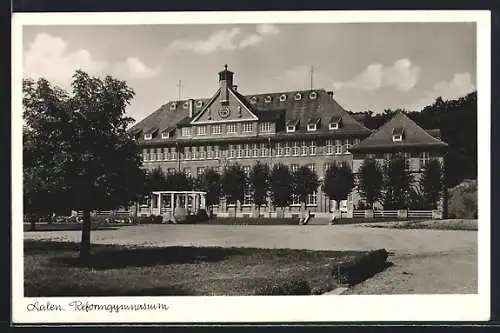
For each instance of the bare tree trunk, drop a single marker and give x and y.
(33, 223)
(85, 243)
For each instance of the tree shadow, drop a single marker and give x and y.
(143, 257)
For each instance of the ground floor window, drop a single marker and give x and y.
(312, 199)
(247, 197)
(295, 199)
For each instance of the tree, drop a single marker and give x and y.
(178, 181)
(210, 182)
(305, 182)
(398, 185)
(259, 183)
(234, 182)
(338, 182)
(156, 180)
(78, 148)
(281, 184)
(431, 183)
(370, 181)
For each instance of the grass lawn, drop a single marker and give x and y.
(53, 269)
(451, 224)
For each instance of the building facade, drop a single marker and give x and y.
(295, 128)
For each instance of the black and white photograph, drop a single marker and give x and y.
(207, 167)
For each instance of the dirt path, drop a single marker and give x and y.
(425, 261)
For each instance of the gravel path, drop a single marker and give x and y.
(425, 261)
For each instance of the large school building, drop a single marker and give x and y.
(296, 128)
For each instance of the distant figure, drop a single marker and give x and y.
(332, 219)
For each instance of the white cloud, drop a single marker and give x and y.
(48, 57)
(402, 75)
(459, 85)
(224, 39)
(219, 40)
(267, 30)
(251, 40)
(136, 69)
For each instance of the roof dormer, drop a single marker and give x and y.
(313, 124)
(150, 134)
(167, 133)
(334, 123)
(291, 125)
(134, 134)
(397, 134)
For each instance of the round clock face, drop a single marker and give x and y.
(224, 112)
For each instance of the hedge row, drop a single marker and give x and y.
(253, 221)
(361, 268)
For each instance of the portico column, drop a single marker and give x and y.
(186, 201)
(203, 203)
(172, 201)
(195, 203)
(159, 203)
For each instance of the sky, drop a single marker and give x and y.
(369, 66)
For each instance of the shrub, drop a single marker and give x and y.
(152, 219)
(462, 202)
(361, 268)
(285, 286)
(201, 216)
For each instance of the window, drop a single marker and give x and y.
(247, 169)
(298, 97)
(338, 147)
(239, 151)
(312, 167)
(159, 154)
(232, 128)
(407, 157)
(265, 127)
(248, 151)
(173, 154)
(173, 106)
(287, 149)
(232, 152)
(397, 137)
(203, 153)
(152, 154)
(171, 170)
(329, 147)
(187, 171)
(268, 99)
(333, 126)
(312, 199)
(166, 154)
(304, 148)
(311, 127)
(210, 154)
(186, 131)
(247, 127)
(424, 158)
(283, 98)
(194, 153)
(295, 200)
(295, 148)
(294, 167)
(216, 129)
(327, 166)
(348, 144)
(202, 130)
(216, 152)
(279, 149)
(200, 171)
(313, 95)
(256, 150)
(148, 136)
(264, 151)
(247, 197)
(312, 148)
(290, 128)
(165, 135)
(187, 153)
(145, 155)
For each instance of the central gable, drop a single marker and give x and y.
(224, 107)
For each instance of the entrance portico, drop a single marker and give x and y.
(165, 202)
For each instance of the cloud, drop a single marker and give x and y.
(402, 75)
(267, 30)
(251, 40)
(136, 69)
(219, 40)
(47, 56)
(459, 85)
(224, 39)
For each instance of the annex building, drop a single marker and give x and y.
(296, 128)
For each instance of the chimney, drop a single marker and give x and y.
(191, 108)
(330, 93)
(235, 87)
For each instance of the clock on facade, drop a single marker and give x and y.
(224, 112)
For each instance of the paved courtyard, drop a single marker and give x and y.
(425, 261)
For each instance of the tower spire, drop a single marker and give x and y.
(312, 77)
